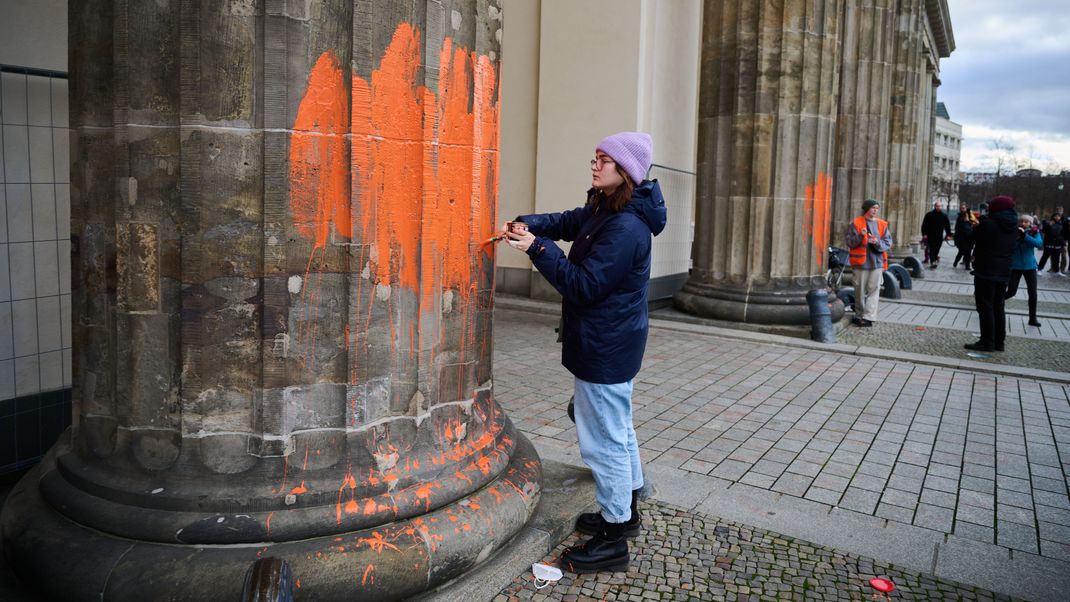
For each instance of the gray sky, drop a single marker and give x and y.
(1009, 79)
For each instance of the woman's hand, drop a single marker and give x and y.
(521, 241)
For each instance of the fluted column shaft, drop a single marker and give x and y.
(902, 202)
(283, 303)
(863, 145)
(767, 111)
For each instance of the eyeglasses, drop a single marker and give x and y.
(599, 162)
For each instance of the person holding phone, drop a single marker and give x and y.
(1024, 264)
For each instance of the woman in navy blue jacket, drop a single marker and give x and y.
(1024, 264)
(603, 285)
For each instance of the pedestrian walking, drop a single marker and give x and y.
(1054, 231)
(603, 285)
(1024, 264)
(935, 229)
(964, 225)
(994, 240)
(868, 240)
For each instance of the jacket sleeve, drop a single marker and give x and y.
(854, 238)
(885, 242)
(608, 262)
(1034, 239)
(556, 226)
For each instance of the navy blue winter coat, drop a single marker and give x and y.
(603, 281)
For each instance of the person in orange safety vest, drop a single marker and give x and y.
(868, 241)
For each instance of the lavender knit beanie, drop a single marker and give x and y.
(633, 151)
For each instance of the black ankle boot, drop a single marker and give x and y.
(606, 551)
(591, 523)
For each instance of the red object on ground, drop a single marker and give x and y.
(882, 585)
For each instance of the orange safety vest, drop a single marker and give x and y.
(858, 254)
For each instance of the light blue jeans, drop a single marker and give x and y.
(608, 445)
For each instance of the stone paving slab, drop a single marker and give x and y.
(686, 555)
(924, 448)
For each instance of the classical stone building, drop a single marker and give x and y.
(947, 150)
(774, 122)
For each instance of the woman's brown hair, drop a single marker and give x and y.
(616, 200)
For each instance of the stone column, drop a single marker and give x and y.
(282, 304)
(900, 201)
(862, 126)
(767, 111)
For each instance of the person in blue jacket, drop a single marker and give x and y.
(603, 285)
(1024, 264)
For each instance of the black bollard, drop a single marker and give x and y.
(268, 580)
(820, 316)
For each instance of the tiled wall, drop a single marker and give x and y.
(35, 287)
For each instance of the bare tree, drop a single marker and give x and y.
(1003, 150)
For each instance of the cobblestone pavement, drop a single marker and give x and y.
(966, 319)
(683, 555)
(1034, 352)
(953, 455)
(1019, 306)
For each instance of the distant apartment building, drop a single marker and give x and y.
(947, 148)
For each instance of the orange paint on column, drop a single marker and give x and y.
(387, 160)
(816, 215)
(319, 178)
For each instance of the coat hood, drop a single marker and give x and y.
(1007, 220)
(648, 203)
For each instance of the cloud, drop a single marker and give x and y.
(1016, 149)
(1009, 76)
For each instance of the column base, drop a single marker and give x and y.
(64, 560)
(786, 306)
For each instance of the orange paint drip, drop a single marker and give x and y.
(816, 215)
(368, 574)
(299, 489)
(319, 182)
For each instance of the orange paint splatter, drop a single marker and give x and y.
(299, 489)
(368, 573)
(816, 214)
(377, 542)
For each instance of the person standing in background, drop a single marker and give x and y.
(1064, 263)
(993, 243)
(868, 240)
(964, 225)
(935, 229)
(1054, 241)
(1024, 264)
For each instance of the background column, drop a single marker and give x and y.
(767, 111)
(862, 127)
